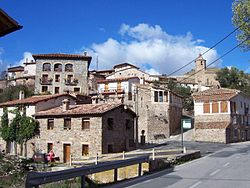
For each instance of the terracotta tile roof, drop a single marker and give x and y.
(32, 100)
(16, 69)
(116, 79)
(211, 125)
(62, 56)
(83, 109)
(186, 81)
(124, 64)
(214, 94)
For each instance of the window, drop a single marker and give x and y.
(206, 108)
(46, 67)
(235, 132)
(106, 87)
(233, 107)
(234, 120)
(85, 150)
(69, 79)
(57, 78)
(50, 124)
(45, 78)
(110, 148)
(85, 123)
(44, 89)
(110, 123)
(215, 107)
(128, 124)
(76, 90)
(160, 96)
(49, 147)
(58, 67)
(166, 96)
(130, 95)
(223, 107)
(156, 96)
(57, 90)
(67, 124)
(68, 68)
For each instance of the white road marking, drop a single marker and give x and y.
(195, 185)
(214, 172)
(225, 165)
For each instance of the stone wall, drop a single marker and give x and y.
(80, 72)
(210, 135)
(118, 137)
(97, 137)
(75, 137)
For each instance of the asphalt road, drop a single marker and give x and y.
(226, 168)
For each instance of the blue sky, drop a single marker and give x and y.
(159, 36)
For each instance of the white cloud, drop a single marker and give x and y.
(152, 72)
(27, 57)
(151, 48)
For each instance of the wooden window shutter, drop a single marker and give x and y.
(206, 108)
(223, 107)
(215, 107)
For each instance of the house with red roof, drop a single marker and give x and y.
(221, 115)
(85, 130)
(57, 73)
(32, 105)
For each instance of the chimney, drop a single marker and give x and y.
(21, 95)
(85, 53)
(65, 104)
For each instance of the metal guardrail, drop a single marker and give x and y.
(34, 179)
(153, 153)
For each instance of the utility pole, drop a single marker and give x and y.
(136, 118)
(97, 62)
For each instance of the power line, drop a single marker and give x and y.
(215, 60)
(224, 38)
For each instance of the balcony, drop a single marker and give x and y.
(113, 90)
(70, 82)
(46, 81)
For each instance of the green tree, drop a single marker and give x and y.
(185, 92)
(28, 129)
(241, 18)
(4, 129)
(234, 78)
(12, 92)
(14, 128)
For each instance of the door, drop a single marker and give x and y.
(66, 153)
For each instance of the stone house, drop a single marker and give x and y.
(3, 85)
(120, 89)
(85, 130)
(159, 110)
(128, 70)
(159, 113)
(56, 73)
(221, 115)
(200, 78)
(32, 105)
(20, 75)
(94, 76)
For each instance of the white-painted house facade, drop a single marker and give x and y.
(221, 115)
(32, 105)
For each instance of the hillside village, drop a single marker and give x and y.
(85, 112)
